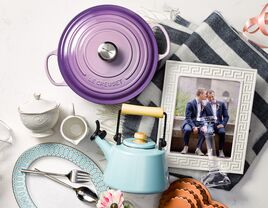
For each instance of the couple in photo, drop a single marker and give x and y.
(204, 105)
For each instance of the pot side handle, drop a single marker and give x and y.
(161, 56)
(52, 53)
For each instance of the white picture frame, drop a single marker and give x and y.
(246, 79)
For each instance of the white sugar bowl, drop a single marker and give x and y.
(39, 116)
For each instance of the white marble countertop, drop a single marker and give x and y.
(30, 29)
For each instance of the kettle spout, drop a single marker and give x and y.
(99, 136)
(105, 147)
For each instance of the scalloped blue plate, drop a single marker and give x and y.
(78, 158)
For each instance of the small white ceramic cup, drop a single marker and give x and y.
(74, 128)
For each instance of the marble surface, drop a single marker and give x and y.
(30, 29)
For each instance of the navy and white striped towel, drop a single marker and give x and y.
(212, 42)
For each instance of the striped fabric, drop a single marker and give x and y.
(212, 42)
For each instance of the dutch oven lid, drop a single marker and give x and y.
(107, 54)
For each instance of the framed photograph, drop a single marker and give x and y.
(233, 90)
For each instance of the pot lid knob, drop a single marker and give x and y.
(107, 51)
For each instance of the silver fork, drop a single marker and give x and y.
(75, 176)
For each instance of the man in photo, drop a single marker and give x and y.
(219, 111)
(192, 122)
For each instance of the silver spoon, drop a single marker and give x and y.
(83, 193)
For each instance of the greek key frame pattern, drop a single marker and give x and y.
(247, 80)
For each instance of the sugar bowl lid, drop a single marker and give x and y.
(37, 105)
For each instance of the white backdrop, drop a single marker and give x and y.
(29, 29)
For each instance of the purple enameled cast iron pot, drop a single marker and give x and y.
(107, 54)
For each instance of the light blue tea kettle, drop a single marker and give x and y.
(135, 165)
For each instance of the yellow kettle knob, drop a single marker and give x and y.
(140, 138)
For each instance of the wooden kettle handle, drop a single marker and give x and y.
(128, 109)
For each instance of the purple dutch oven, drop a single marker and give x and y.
(107, 54)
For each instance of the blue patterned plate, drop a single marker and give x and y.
(78, 158)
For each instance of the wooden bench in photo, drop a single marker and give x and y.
(177, 139)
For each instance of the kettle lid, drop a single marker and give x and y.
(138, 144)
